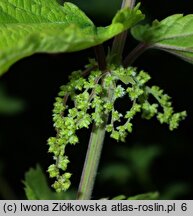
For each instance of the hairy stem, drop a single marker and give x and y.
(134, 54)
(119, 41)
(91, 162)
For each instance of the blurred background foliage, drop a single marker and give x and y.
(152, 159)
(9, 105)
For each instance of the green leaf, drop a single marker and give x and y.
(145, 196)
(119, 197)
(36, 187)
(28, 27)
(173, 34)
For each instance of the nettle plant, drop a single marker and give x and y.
(90, 97)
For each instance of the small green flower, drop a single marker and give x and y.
(53, 171)
(73, 112)
(67, 175)
(119, 92)
(149, 110)
(116, 115)
(73, 139)
(166, 115)
(61, 184)
(97, 102)
(108, 81)
(122, 132)
(132, 112)
(59, 122)
(97, 118)
(61, 93)
(109, 128)
(52, 141)
(98, 89)
(84, 121)
(62, 162)
(134, 92)
(143, 77)
(175, 119)
(115, 135)
(128, 126)
(108, 107)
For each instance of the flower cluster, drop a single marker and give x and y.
(85, 93)
(139, 93)
(92, 96)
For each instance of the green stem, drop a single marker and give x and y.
(119, 41)
(91, 162)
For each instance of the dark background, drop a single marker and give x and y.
(152, 159)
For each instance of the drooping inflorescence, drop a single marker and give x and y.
(92, 96)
